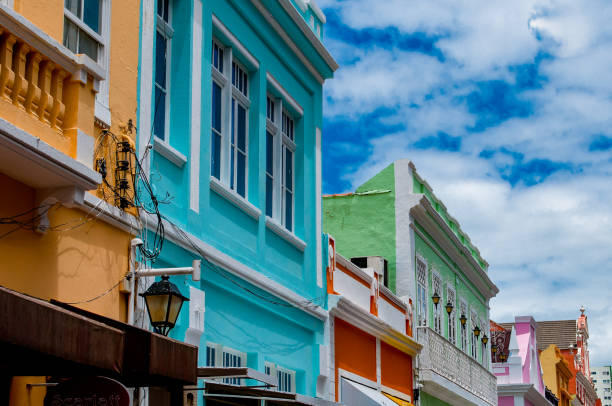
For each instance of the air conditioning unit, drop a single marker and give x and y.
(379, 264)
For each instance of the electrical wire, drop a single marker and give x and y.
(106, 292)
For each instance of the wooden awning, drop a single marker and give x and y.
(220, 393)
(42, 338)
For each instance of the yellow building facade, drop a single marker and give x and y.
(68, 80)
(556, 374)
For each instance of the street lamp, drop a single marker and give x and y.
(449, 308)
(493, 349)
(435, 298)
(502, 357)
(463, 320)
(164, 301)
(476, 331)
(485, 340)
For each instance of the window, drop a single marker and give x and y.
(219, 356)
(229, 140)
(421, 292)
(285, 377)
(473, 338)
(163, 42)
(464, 340)
(452, 317)
(280, 163)
(437, 288)
(83, 27)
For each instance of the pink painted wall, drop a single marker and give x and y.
(506, 401)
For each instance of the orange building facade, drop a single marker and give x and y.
(372, 348)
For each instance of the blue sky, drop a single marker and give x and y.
(506, 109)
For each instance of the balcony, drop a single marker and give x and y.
(450, 374)
(46, 90)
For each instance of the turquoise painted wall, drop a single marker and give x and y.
(236, 316)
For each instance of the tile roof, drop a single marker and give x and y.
(562, 333)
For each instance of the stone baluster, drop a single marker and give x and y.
(44, 82)
(20, 85)
(56, 118)
(33, 95)
(7, 76)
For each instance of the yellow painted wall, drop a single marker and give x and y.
(48, 15)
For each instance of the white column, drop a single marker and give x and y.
(146, 81)
(196, 108)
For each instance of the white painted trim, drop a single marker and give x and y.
(196, 108)
(524, 391)
(285, 95)
(310, 35)
(318, 209)
(234, 198)
(285, 234)
(351, 376)
(164, 149)
(110, 214)
(378, 363)
(405, 265)
(301, 4)
(235, 267)
(364, 320)
(235, 43)
(45, 156)
(354, 269)
(285, 37)
(389, 295)
(85, 149)
(317, 11)
(145, 102)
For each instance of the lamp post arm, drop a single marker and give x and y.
(193, 270)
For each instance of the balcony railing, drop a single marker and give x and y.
(443, 358)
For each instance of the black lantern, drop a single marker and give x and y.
(435, 298)
(493, 348)
(476, 331)
(164, 302)
(449, 308)
(485, 340)
(463, 320)
(502, 357)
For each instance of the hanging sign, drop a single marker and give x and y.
(90, 391)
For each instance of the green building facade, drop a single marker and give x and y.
(396, 215)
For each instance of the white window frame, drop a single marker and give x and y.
(228, 93)
(436, 279)
(220, 351)
(166, 30)
(282, 142)
(452, 317)
(273, 370)
(101, 108)
(422, 293)
(464, 328)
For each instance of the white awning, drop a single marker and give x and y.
(354, 393)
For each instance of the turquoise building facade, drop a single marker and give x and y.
(230, 118)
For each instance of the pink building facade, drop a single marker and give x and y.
(516, 364)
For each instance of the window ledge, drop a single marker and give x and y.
(234, 198)
(164, 149)
(102, 113)
(285, 234)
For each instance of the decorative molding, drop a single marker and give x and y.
(234, 198)
(364, 320)
(285, 95)
(235, 267)
(196, 108)
(319, 209)
(164, 149)
(287, 235)
(235, 43)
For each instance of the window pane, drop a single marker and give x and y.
(91, 14)
(160, 60)
(74, 6)
(166, 10)
(88, 46)
(70, 35)
(269, 153)
(288, 169)
(241, 128)
(216, 106)
(159, 119)
(215, 161)
(241, 175)
(269, 194)
(288, 210)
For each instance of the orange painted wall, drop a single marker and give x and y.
(570, 360)
(355, 351)
(396, 369)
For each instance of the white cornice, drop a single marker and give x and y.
(525, 390)
(355, 315)
(441, 233)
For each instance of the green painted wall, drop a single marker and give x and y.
(363, 223)
(429, 400)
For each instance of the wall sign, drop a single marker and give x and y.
(88, 391)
